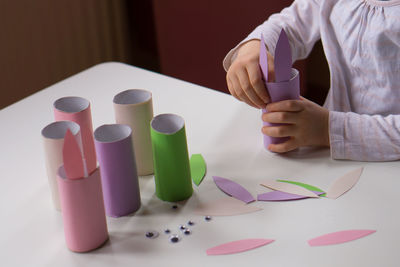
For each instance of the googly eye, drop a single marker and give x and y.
(152, 234)
(174, 238)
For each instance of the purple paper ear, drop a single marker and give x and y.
(283, 58)
(263, 60)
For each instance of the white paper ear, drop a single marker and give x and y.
(112, 132)
(71, 104)
(167, 123)
(132, 96)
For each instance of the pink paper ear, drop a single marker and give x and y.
(72, 157)
(238, 246)
(283, 58)
(263, 60)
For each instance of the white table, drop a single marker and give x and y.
(228, 135)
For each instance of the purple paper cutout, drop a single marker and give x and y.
(233, 189)
(279, 92)
(282, 196)
(288, 85)
(263, 60)
(283, 59)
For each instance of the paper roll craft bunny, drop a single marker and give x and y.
(82, 204)
(287, 81)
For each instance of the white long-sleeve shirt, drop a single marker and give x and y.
(361, 40)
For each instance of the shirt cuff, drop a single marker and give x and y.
(336, 134)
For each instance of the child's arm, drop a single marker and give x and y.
(349, 135)
(364, 137)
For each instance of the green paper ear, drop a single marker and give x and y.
(306, 186)
(197, 168)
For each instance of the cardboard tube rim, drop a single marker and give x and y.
(167, 123)
(56, 130)
(117, 100)
(71, 104)
(110, 133)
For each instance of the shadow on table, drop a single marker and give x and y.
(307, 153)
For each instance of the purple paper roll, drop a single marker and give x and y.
(118, 169)
(279, 92)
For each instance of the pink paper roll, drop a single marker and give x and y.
(278, 92)
(83, 212)
(53, 140)
(77, 109)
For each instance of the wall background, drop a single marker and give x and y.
(45, 41)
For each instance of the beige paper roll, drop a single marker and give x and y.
(134, 107)
(53, 141)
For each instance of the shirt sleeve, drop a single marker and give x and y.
(364, 137)
(301, 23)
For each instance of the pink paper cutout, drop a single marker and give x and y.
(226, 206)
(238, 246)
(344, 183)
(283, 58)
(233, 189)
(72, 157)
(339, 237)
(288, 188)
(282, 196)
(263, 60)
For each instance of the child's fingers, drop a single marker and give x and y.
(279, 131)
(284, 147)
(241, 95)
(286, 105)
(230, 88)
(248, 89)
(257, 83)
(280, 117)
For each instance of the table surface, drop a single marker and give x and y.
(228, 134)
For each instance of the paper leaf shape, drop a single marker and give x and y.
(306, 186)
(72, 157)
(197, 168)
(281, 196)
(263, 60)
(233, 189)
(339, 237)
(288, 188)
(344, 183)
(283, 58)
(238, 246)
(226, 206)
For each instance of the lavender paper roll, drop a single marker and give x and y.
(118, 169)
(279, 92)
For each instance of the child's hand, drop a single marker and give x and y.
(307, 124)
(244, 76)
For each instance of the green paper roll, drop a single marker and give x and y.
(171, 159)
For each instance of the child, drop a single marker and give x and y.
(360, 119)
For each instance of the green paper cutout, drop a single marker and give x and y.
(197, 168)
(306, 186)
(171, 165)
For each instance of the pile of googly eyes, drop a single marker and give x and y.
(175, 238)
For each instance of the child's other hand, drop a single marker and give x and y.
(307, 124)
(244, 78)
